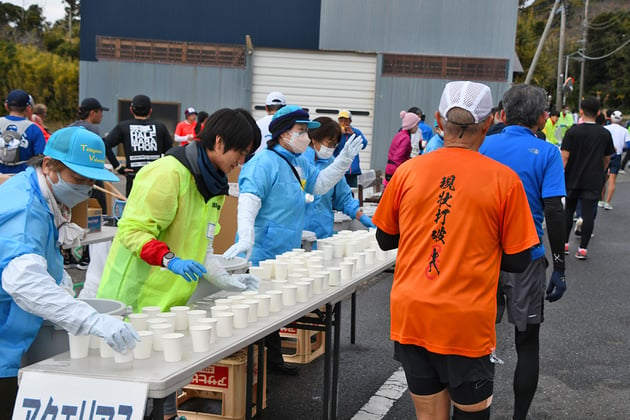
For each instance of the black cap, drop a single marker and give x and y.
(18, 98)
(89, 104)
(141, 104)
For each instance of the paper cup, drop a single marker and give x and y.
(154, 321)
(346, 271)
(275, 300)
(158, 331)
(236, 299)
(138, 321)
(212, 322)
(360, 256)
(249, 293)
(253, 310)
(201, 336)
(268, 267)
(334, 276)
(79, 346)
(282, 270)
(318, 282)
(144, 347)
(296, 265)
(219, 308)
(327, 252)
(241, 314)
(94, 341)
(257, 271)
(123, 357)
(170, 317)
(293, 277)
(326, 275)
(263, 305)
(278, 284)
(224, 323)
(222, 301)
(173, 343)
(370, 256)
(104, 350)
(314, 269)
(181, 318)
(289, 295)
(338, 249)
(151, 310)
(194, 315)
(301, 294)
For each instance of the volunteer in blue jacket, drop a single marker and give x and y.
(348, 131)
(274, 186)
(34, 224)
(319, 214)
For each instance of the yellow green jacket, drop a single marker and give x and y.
(166, 205)
(550, 131)
(565, 121)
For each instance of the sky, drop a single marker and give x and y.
(53, 9)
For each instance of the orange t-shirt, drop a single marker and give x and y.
(184, 128)
(456, 212)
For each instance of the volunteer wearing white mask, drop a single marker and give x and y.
(34, 223)
(319, 217)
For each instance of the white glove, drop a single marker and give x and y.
(119, 335)
(219, 277)
(329, 177)
(67, 284)
(248, 207)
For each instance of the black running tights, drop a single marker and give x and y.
(527, 367)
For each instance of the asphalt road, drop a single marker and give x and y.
(585, 341)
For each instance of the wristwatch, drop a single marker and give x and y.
(167, 258)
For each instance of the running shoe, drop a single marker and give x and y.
(83, 263)
(566, 248)
(69, 261)
(578, 227)
(581, 254)
(607, 206)
(601, 204)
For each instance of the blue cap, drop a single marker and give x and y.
(80, 150)
(19, 98)
(288, 116)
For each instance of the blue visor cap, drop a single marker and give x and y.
(287, 117)
(80, 150)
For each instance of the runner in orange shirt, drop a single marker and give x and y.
(185, 130)
(466, 220)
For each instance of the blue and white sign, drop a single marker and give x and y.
(65, 397)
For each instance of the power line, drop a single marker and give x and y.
(586, 57)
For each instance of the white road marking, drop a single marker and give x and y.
(385, 397)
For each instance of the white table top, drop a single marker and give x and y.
(107, 233)
(165, 378)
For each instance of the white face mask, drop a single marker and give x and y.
(324, 152)
(299, 142)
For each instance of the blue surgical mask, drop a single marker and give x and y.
(324, 152)
(69, 194)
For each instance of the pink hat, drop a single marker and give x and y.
(409, 120)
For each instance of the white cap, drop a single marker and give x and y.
(190, 110)
(616, 116)
(275, 98)
(475, 98)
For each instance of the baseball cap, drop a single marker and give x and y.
(275, 98)
(89, 104)
(19, 98)
(616, 116)
(80, 150)
(190, 110)
(475, 98)
(344, 113)
(141, 104)
(288, 116)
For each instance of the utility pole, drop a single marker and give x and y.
(532, 67)
(583, 55)
(560, 81)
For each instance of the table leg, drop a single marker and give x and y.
(249, 382)
(327, 362)
(335, 363)
(353, 317)
(158, 409)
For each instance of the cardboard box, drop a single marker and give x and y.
(88, 214)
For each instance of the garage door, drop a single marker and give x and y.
(322, 82)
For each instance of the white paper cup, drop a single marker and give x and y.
(335, 276)
(224, 323)
(249, 293)
(326, 275)
(339, 248)
(123, 357)
(370, 256)
(138, 321)
(257, 271)
(263, 305)
(301, 294)
(236, 299)
(314, 269)
(219, 308)
(360, 256)
(289, 295)
(181, 318)
(79, 346)
(282, 270)
(253, 310)
(201, 336)
(158, 331)
(318, 282)
(298, 250)
(94, 341)
(144, 347)
(151, 310)
(278, 284)
(327, 252)
(222, 301)
(104, 350)
(213, 323)
(351, 248)
(241, 314)
(346, 270)
(170, 317)
(269, 269)
(173, 343)
(275, 300)
(154, 321)
(296, 265)
(293, 277)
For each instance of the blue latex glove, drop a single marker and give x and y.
(367, 221)
(189, 269)
(557, 286)
(119, 335)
